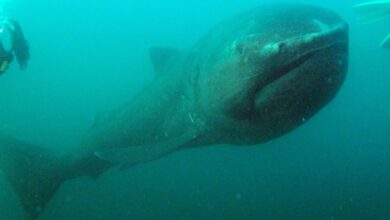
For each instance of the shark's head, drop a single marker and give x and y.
(271, 71)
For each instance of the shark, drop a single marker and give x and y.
(250, 79)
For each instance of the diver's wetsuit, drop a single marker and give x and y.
(19, 46)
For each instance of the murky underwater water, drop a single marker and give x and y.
(88, 58)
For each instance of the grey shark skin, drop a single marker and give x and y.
(251, 79)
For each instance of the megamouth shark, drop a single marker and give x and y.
(250, 79)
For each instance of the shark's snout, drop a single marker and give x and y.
(285, 56)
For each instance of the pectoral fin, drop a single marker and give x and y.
(386, 42)
(139, 154)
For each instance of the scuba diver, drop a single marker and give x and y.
(373, 11)
(12, 43)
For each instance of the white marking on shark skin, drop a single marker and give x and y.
(271, 48)
(322, 26)
(191, 118)
(276, 47)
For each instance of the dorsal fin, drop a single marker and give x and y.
(160, 56)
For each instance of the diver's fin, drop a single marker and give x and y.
(160, 56)
(139, 154)
(32, 172)
(386, 42)
(372, 11)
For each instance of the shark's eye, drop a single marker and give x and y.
(282, 46)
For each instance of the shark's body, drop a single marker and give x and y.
(252, 78)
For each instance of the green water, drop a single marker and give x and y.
(89, 57)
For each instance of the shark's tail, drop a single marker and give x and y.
(36, 173)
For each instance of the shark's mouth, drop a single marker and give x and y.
(288, 71)
(289, 59)
(288, 68)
